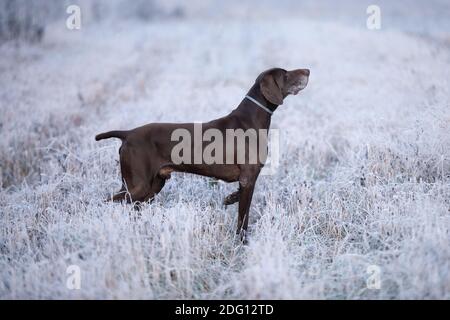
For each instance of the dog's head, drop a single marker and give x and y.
(276, 84)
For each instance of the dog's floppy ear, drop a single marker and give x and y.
(270, 89)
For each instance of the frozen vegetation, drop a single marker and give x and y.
(363, 181)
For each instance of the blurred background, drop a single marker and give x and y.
(22, 19)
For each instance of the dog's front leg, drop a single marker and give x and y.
(232, 198)
(246, 187)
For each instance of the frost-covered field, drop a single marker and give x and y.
(363, 183)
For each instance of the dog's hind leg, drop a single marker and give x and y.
(157, 184)
(135, 194)
(119, 196)
(138, 193)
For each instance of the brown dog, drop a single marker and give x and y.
(147, 158)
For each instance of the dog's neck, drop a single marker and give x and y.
(255, 93)
(255, 116)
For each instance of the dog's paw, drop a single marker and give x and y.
(232, 198)
(243, 237)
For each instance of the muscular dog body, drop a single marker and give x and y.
(146, 152)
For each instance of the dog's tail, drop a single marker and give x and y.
(112, 134)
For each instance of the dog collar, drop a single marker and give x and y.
(259, 105)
